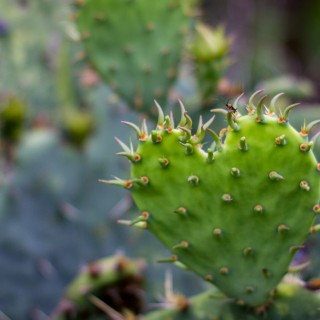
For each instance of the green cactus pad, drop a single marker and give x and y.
(236, 214)
(135, 45)
(291, 303)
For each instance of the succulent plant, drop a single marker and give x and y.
(114, 283)
(234, 214)
(291, 303)
(135, 39)
(209, 50)
(12, 118)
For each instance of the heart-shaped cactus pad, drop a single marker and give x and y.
(236, 213)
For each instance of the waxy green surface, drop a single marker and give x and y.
(241, 250)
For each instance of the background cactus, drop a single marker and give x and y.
(147, 47)
(115, 281)
(238, 193)
(209, 50)
(291, 303)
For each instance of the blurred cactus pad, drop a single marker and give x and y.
(114, 282)
(237, 212)
(135, 39)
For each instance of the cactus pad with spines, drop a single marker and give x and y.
(135, 45)
(234, 213)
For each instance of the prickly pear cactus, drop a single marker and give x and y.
(135, 39)
(209, 51)
(235, 213)
(291, 303)
(111, 285)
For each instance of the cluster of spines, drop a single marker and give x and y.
(190, 141)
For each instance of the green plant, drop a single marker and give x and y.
(209, 51)
(116, 281)
(227, 212)
(135, 39)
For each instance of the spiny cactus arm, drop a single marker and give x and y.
(248, 201)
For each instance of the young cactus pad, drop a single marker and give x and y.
(236, 213)
(135, 39)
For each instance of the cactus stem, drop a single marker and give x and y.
(315, 228)
(160, 122)
(226, 197)
(247, 252)
(216, 140)
(260, 112)
(183, 119)
(299, 267)
(217, 232)
(210, 157)
(181, 211)
(193, 180)
(127, 184)
(188, 148)
(272, 107)
(235, 172)
(305, 147)
(266, 272)
(243, 146)
(282, 228)
(251, 107)
(258, 208)
(164, 162)
(281, 140)
(171, 259)
(316, 208)
(224, 271)
(304, 185)
(275, 176)
(181, 245)
(156, 136)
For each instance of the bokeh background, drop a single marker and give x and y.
(58, 120)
